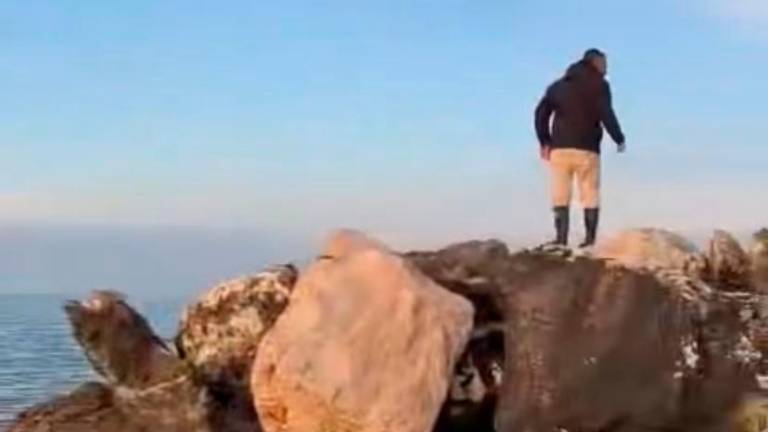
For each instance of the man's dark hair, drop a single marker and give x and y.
(593, 53)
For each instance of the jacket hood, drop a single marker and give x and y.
(582, 69)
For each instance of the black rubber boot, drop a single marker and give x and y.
(591, 221)
(562, 223)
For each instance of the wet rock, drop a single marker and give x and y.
(368, 343)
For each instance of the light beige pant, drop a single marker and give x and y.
(584, 166)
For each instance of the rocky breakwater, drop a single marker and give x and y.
(646, 332)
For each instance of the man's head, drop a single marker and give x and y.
(597, 59)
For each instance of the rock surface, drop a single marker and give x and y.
(367, 343)
(591, 345)
(220, 333)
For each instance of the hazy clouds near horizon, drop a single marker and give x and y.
(141, 262)
(155, 263)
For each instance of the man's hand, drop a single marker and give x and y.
(621, 148)
(545, 151)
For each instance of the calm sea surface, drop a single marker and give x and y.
(39, 358)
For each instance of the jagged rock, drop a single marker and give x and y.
(368, 343)
(147, 387)
(593, 345)
(119, 343)
(729, 264)
(220, 333)
(653, 248)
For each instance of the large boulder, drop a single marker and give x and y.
(594, 345)
(367, 343)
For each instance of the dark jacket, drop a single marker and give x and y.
(581, 103)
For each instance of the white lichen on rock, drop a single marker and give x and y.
(220, 333)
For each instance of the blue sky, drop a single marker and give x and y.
(410, 119)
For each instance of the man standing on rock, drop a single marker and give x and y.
(581, 105)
